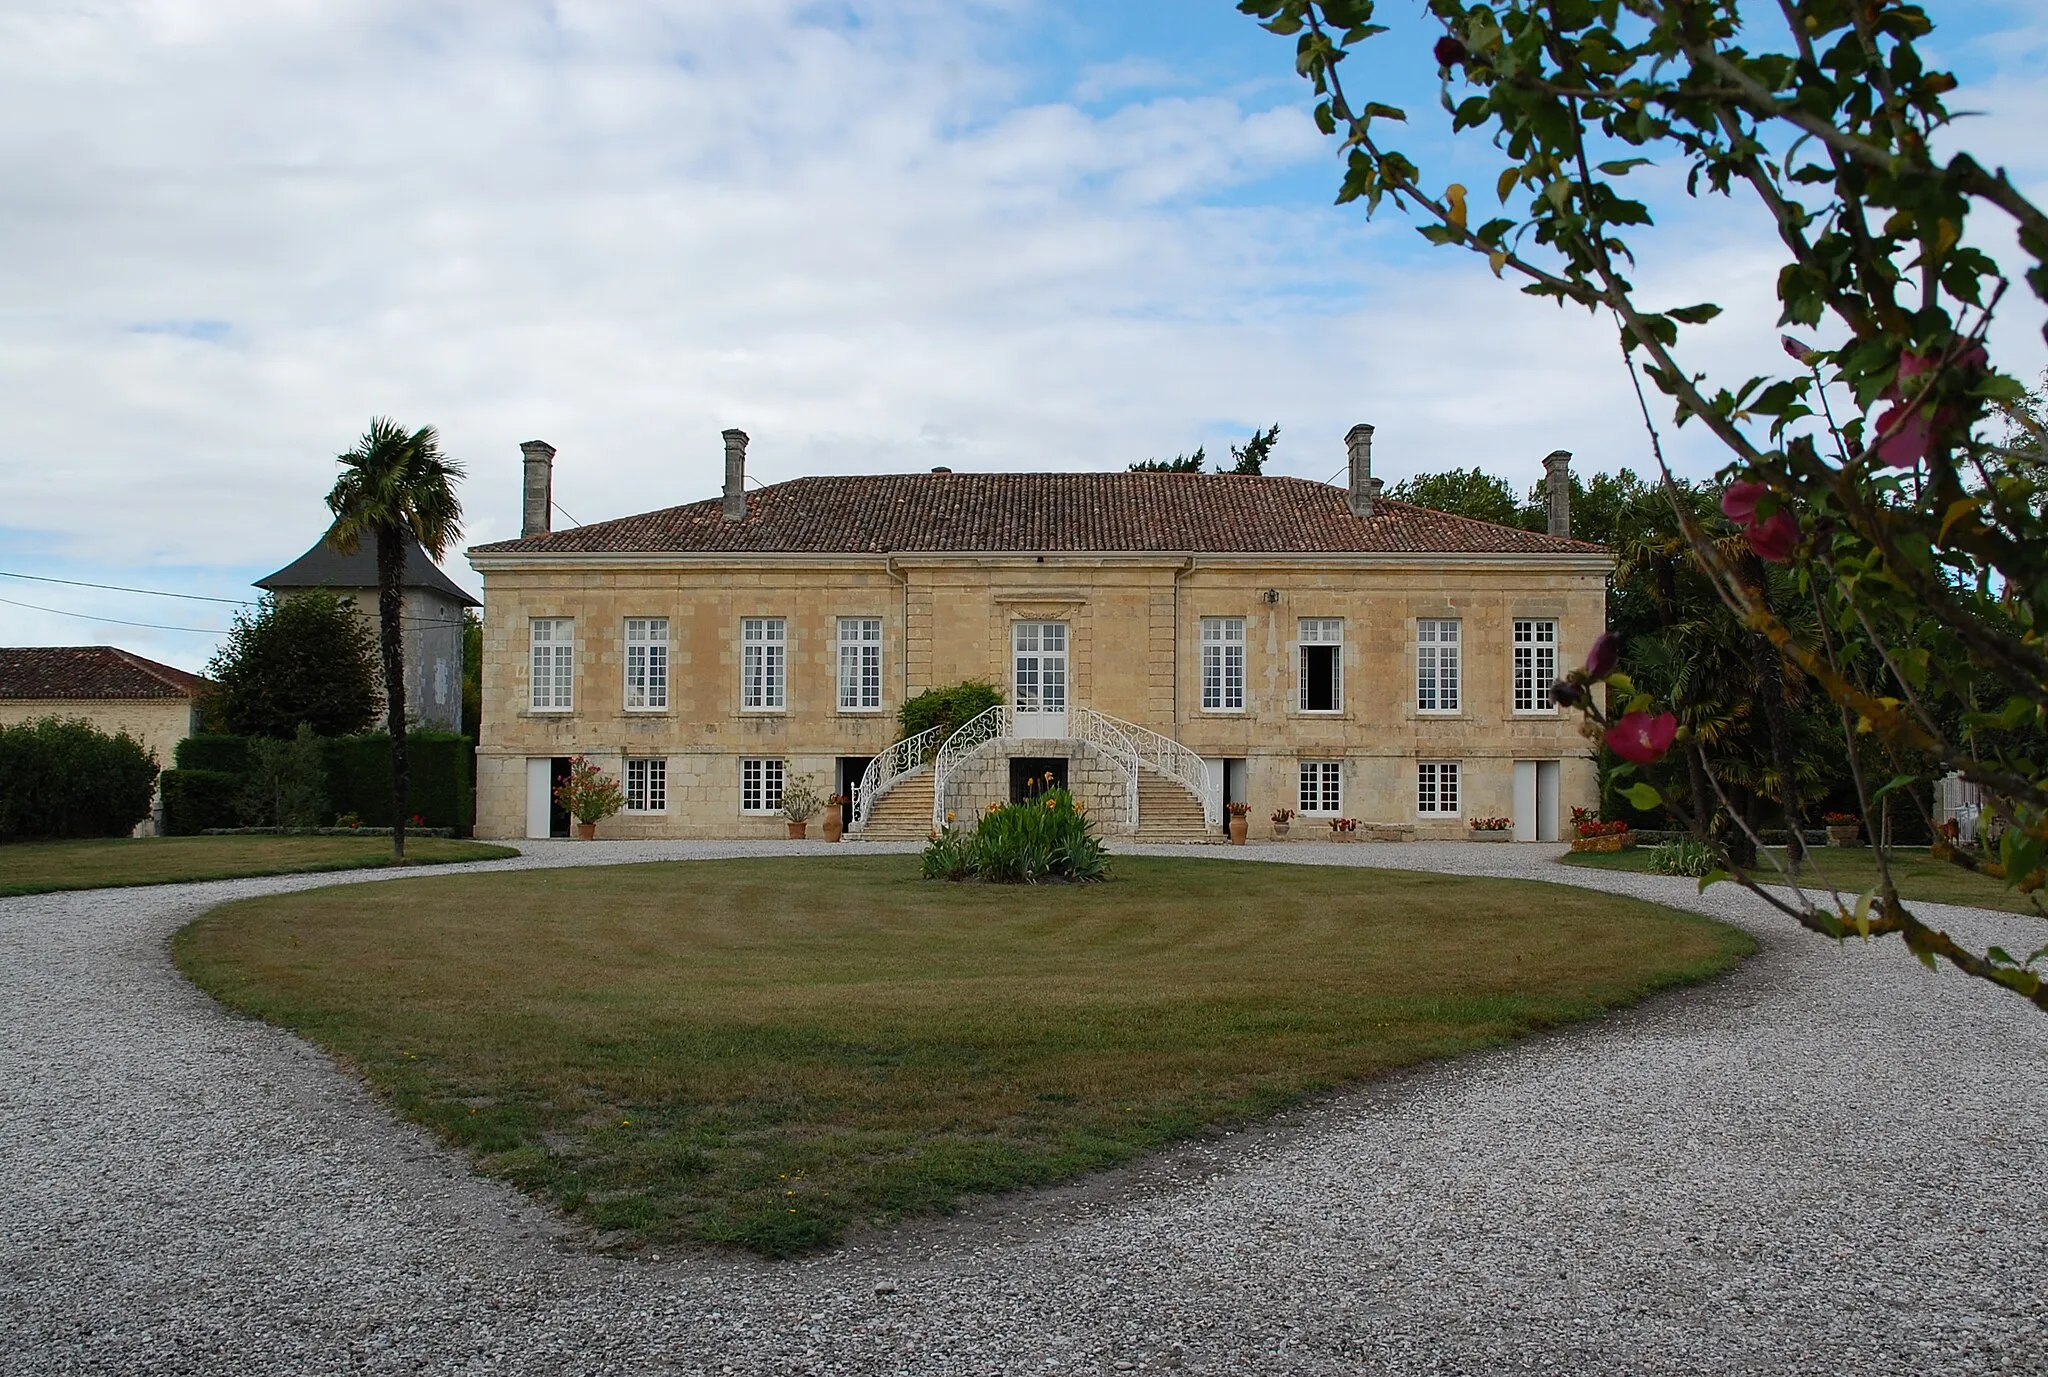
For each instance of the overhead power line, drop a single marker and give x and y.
(122, 588)
(115, 621)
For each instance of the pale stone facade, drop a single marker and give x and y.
(1134, 651)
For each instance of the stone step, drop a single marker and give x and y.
(904, 813)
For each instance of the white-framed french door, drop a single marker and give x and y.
(1038, 678)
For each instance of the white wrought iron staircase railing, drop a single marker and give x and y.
(1127, 744)
(1168, 757)
(903, 758)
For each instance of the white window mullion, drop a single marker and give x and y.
(552, 676)
(763, 664)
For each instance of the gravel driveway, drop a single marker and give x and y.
(1830, 1162)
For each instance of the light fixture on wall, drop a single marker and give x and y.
(1272, 595)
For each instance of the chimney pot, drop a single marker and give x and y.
(1557, 472)
(538, 491)
(735, 475)
(1365, 489)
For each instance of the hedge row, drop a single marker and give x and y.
(66, 778)
(201, 793)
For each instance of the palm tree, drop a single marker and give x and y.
(395, 485)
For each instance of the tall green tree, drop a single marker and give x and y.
(1251, 456)
(307, 658)
(1873, 468)
(395, 483)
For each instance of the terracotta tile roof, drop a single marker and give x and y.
(1093, 512)
(89, 671)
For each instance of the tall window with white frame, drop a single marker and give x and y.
(764, 665)
(1436, 788)
(1322, 787)
(1223, 664)
(761, 786)
(1322, 664)
(1436, 665)
(647, 785)
(646, 664)
(1535, 664)
(860, 664)
(552, 683)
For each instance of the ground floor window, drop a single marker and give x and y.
(647, 786)
(1322, 786)
(1436, 786)
(760, 786)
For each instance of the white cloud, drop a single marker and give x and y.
(238, 230)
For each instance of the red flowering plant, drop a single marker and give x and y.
(1893, 474)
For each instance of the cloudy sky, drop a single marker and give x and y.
(876, 234)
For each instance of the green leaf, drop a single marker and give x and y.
(1620, 166)
(1695, 315)
(1642, 797)
(1712, 877)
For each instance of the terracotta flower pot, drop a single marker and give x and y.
(796, 831)
(1613, 841)
(1846, 836)
(835, 826)
(1279, 831)
(1238, 828)
(586, 831)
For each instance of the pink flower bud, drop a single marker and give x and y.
(1739, 499)
(1604, 656)
(1450, 52)
(1903, 436)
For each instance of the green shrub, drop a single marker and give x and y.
(1046, 838)
(1682, 857)
(195, 800)
(358, 770)
(285, 785)
(948, 709)
(64, 777)
(213, 752)
(308, 657)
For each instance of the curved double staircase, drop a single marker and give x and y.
(909, 788)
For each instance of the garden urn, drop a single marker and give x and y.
(835, 824)
(1280, 831)
(586, 831)
(1852, 835)
(796, 831)
(1239, 825)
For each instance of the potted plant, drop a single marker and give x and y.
(800, 803)
(1343, 829)
(1240, 821)
(1844, 829)
(590, 796)
(1492, 829)
(1591, 834)
(835, 817)
(1282, 819)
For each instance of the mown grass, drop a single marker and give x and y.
(766, 1052)
(46, 867)
(1853, 870)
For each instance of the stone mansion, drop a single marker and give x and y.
(1166, 644)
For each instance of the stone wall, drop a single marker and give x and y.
(1098, 782)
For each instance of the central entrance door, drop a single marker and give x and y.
(1038, 680)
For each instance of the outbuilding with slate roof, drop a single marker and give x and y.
(434, 604)
(1167, 644)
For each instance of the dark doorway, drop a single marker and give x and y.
(851, 768)
(558, 816)
(1235, 786)
(1028, 775)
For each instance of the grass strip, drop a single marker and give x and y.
(1854, 870)
(113, 863)
(765, 1053)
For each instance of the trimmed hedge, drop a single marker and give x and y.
(195, 800)
(226, 753)
(63, 777)
(358, 770)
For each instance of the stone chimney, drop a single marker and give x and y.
(539, 491)
(735, 475)
(1557, 469)
(1365, 489)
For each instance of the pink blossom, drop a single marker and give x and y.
(1641, 738)
(1774, 536)
(1903, 435)
(1738, 501)
(1798, 349)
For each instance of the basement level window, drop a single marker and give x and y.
(1322, 664)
